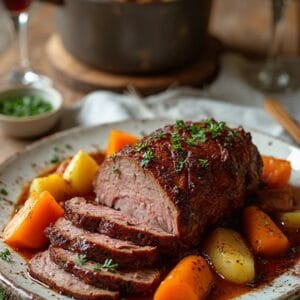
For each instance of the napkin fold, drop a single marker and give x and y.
(230, 98)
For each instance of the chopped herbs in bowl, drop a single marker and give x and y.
(27, 111)
(24, 106)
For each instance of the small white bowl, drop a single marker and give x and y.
(25, 127)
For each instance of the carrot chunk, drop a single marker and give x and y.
(191, 279)
(26, 228)
(276, 172)
(118, 140)
(263, 234)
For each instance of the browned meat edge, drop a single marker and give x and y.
(98, 247)
(134, 282)
(91, 217)
(41, 267)
(182, 178)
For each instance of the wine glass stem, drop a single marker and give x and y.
(278, 7)
(20, 22)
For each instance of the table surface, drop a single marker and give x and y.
(228, 25)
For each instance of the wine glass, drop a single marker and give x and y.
(22, 73)
(273, 77)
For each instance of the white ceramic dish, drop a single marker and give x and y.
(21, 168)
(26, 127)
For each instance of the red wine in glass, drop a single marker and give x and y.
(17, 6)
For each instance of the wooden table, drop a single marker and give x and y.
(240, 25)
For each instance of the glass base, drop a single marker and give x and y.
(28, 77)
(273, 80)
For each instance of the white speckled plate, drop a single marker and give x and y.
(21, 168)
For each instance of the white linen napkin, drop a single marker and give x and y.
(241, 103)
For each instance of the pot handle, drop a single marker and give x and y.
(57, 2)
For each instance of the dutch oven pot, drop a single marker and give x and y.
(132, 36)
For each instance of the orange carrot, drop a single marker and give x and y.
(191, 279)
(276, 172)
(263, 234)
(26, 228)
(118, 140)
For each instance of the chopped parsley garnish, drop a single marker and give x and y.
(3, 192)
(54, 159)
(180, 164)
(147, 157)
(179, 124)
(159, 135)
(5, 255)
(115, 169)
(24, 106)
(227, 141)
(215, 128)
(176, 141)
(108, 265)
(197, 135)
(68, 146)
(141, 146)
(81, 260)
(203, 163)
(233, 133)
(3, 295)
(192, 142)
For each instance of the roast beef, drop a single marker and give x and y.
(43, 269)
(108, 221)
(98, 247)
(141, 282)
(183, 178)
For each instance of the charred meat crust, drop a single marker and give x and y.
(98, 247)
(133, 282)
(42, 268)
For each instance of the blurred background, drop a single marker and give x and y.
(239, 26)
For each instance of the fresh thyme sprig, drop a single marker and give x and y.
(5, 255)
(141, 146)
(108, 265)
(159, 135)
(81, 260)
(180, 124)
(203, 163)
(3, 294)
(147, 157)
(180, 164)
(176, 141)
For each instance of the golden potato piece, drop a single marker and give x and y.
(230, 256)
(54, 184)
(80, 173)
(290, 219)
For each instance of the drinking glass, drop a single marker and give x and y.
(22, 73)
(273, 77)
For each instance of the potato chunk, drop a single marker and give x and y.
(230, 256)
(54, 184)
(80, 173)
(290, 219)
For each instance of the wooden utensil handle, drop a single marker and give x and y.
(282, 116)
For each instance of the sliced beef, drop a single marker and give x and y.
(46, 271)
(94, 217)
(183, 178)
(135, 282)
(98, 247)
